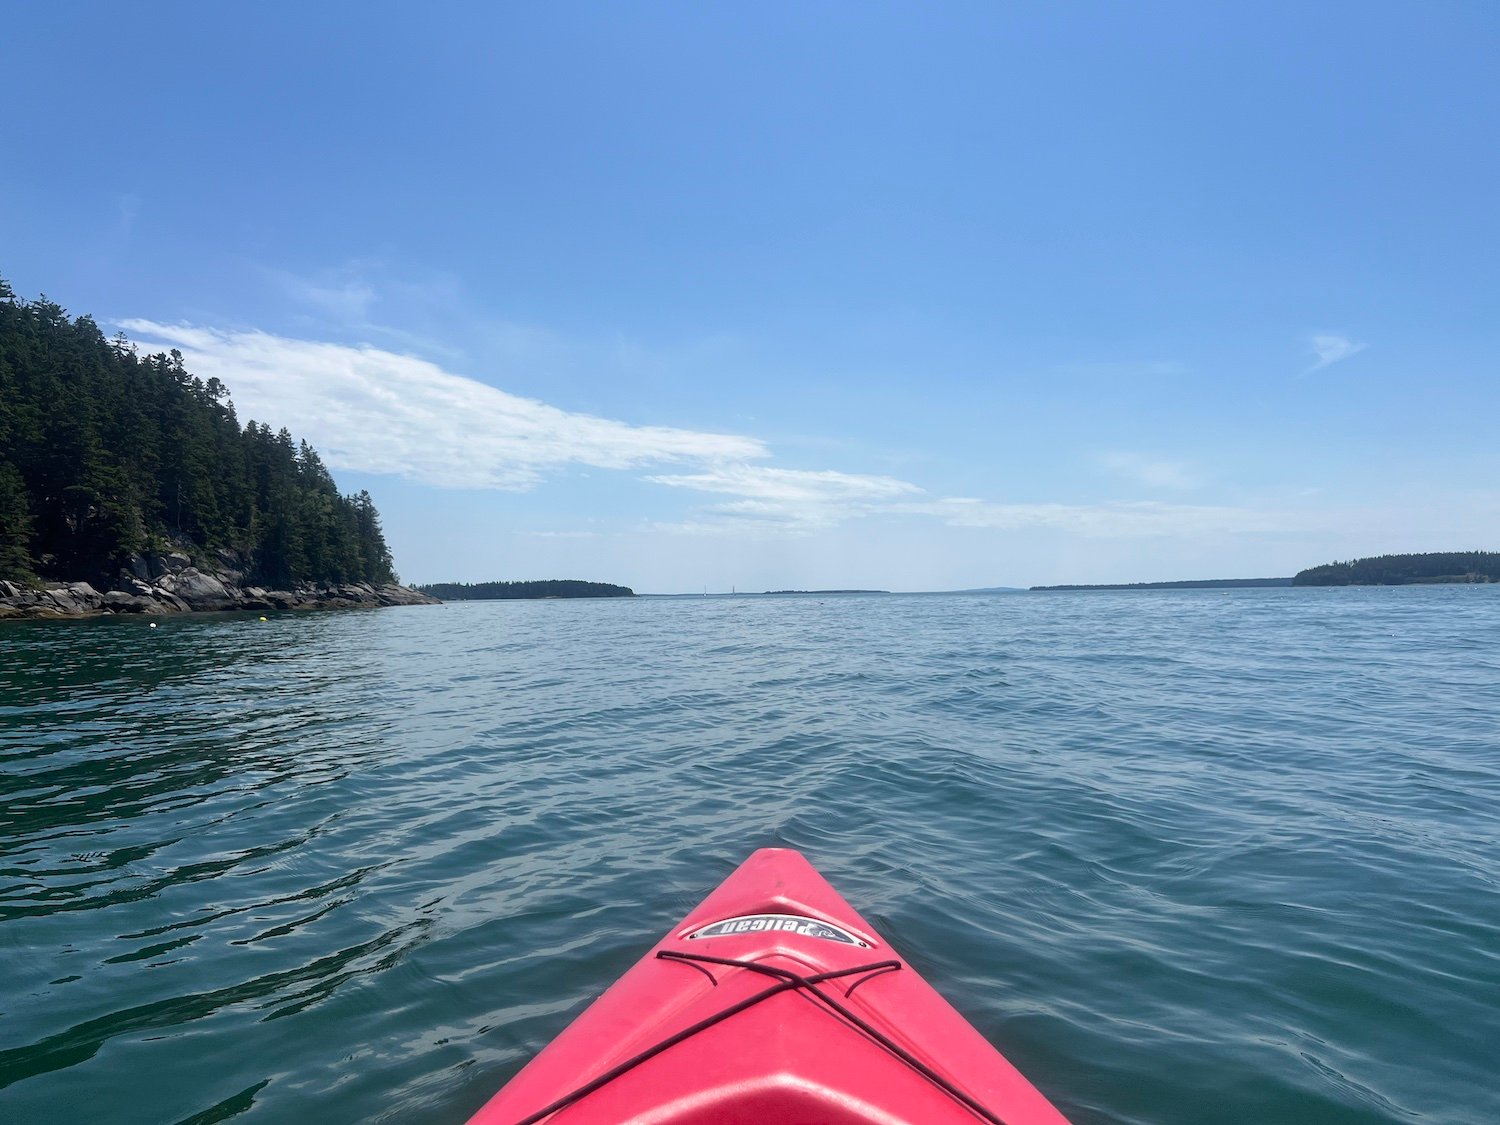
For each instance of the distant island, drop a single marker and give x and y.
(1431, 569)
(129, 485)
(1198, 584)
(518, 591)
(1435, 568)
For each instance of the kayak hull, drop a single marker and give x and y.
(866, 1041)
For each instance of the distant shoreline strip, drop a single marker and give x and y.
(1202, 584)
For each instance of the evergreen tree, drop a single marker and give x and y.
(15, 525)
(375, 555)
(104, 452)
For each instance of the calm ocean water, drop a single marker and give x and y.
(1183, 856)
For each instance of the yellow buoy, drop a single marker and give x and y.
(262, 618)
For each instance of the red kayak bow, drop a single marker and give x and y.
(772, 1003)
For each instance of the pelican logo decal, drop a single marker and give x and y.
(783, 923)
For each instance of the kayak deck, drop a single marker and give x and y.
(772, 1003)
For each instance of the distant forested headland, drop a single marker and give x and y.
(501, 591)
(1435, 568)
(1403, 570)
(1200, 584)
(116, 468)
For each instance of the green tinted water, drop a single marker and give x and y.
(1185, 856)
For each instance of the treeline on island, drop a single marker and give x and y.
(1191, 584)
(546, 588)
(108, 457)
(1401, 570)
(1432, 568)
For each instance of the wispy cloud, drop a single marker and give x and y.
(377, 411)
(798, 500)
(373, 410)
(790, 485)
(1329, 348)
(1149, 471)
(346, 300)
(1123, 520)
(1118, 520)
(349, 300)
(790, 498)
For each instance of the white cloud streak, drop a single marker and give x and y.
(1119, 520)
(793, 498)
(790, 485)
(796, 500)
(377, 411)
(1330, 348)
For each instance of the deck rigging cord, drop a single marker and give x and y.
(787, 981)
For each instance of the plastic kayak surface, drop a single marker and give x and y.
(772, 1003)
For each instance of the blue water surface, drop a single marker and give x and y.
(1183, 856)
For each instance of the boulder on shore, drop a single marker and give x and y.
(74, 597)
(392, 594)
(171, 583)
(202, 591)
(117, 602)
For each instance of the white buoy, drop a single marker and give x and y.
(153, 624)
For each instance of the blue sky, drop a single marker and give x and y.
(888, 295)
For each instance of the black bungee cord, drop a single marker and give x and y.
(787, 981)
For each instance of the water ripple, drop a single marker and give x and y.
(1182, 856)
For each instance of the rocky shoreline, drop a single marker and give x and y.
(172, 583)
